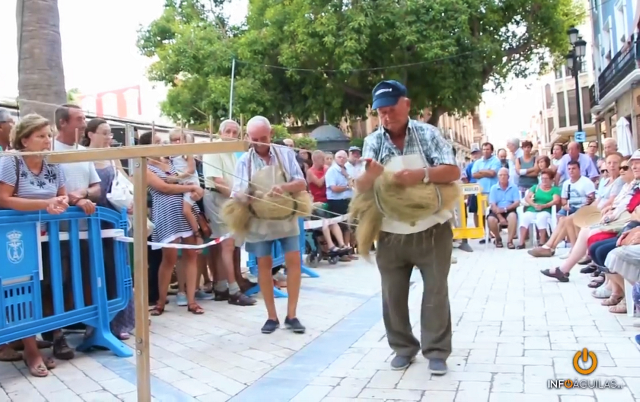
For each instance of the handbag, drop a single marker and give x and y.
(120, 195)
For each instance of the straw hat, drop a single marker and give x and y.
(587, 216)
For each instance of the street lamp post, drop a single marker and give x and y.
(574, 63)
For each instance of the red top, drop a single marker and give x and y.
(319, 193)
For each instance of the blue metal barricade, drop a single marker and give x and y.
(21, 313)
(278, 260)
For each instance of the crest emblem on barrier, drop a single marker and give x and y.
(15, 247)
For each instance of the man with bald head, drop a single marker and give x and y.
(504, 199)
(339, 190)
(587, 167)
(264, 233)
(218, 173)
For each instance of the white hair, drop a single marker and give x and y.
(606, 141)
(4, 115)
(225, 123)
(505, 169)
(514, 141)
(257, 121)
(341, 153)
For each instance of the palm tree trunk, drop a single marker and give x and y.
(40, 72)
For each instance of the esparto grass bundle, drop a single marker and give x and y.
(237, 215)
(397, 202)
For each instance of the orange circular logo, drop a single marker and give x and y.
(585, 355)
(568, 384)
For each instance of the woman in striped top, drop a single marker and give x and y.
(29, 183)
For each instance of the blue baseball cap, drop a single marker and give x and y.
(387, 93)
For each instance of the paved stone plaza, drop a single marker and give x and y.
(514, 330)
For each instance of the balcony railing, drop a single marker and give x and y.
(593, 99)
(622, 64)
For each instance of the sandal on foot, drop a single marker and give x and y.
(49, 362)
(8, 354)
(194, 308)
(510, 245)
(157, 310)
(620, 308)
(612, 301)
(499, 243)
(596, 283)
(521, 246)
(38, 370)
(557, 274)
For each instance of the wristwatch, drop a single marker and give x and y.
(426, 176)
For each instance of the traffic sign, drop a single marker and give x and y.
(580, 136)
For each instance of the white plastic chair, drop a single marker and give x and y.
(628, 294)
(533, 233)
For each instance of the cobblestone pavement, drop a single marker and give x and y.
(514, 331)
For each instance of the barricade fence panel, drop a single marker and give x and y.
(50, 264)
(463, 231)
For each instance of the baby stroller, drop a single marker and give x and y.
(316, 247)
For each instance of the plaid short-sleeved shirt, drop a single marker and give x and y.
(437, 150)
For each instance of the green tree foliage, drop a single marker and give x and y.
(328, 54)
(306, 143)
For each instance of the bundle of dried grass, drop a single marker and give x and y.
(237, 215)
(403, 204)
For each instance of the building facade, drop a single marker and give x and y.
(559, 99)
(616, 59)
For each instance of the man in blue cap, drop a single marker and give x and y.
(425, 244)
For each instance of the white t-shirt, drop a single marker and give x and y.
(577, 192)
(79, 175)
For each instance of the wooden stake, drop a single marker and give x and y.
(210, 128)
(141, 278)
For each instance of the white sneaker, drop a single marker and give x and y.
(601, 293)
(454, 260)
(564, 255)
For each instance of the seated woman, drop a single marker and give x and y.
(539, 198)
(317, 187)
(614, 203)
(566, 228)
(622, 264)
(29, 183)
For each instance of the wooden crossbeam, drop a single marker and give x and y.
(138, 155)
(139, 151)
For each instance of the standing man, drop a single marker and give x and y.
(586, 165)
(425, 244)
(485, 171)
(513, 145)
(263, 233)
(354, 164)
(6, 125)
(218, 173)
(83, 188)
(502, 156)
(592, 152)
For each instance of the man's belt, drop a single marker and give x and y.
(215, 190)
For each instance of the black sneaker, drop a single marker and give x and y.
(61, 349)
(438, 366)
(221, 296)
(401, 362)
(293, 324)
(270, 326)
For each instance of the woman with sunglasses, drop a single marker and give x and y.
(612, 204)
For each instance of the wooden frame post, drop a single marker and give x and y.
(139, 155)
(141, 279)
